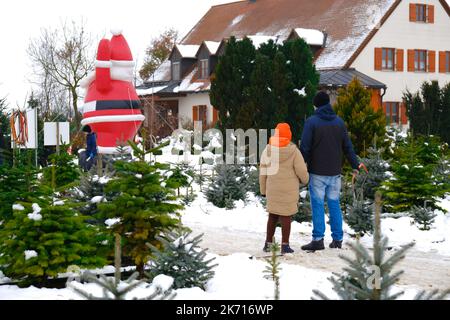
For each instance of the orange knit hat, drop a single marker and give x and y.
(283, 135)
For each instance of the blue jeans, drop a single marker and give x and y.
(319, 187)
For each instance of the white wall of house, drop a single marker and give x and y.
(398, 32)
(193, 99)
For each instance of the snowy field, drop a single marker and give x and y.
(240, 275)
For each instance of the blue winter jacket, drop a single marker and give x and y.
(324, 142)
(91, 145)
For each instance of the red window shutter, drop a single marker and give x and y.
(442, 62)
(399, 59)
(378, 58)
(215, 115)
(412, 12)
(195, 113)
(404, 117)
(431, 61)
(430, 14)
(411, 61)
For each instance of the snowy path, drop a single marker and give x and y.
(426, 270)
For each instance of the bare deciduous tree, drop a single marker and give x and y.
(61, 58)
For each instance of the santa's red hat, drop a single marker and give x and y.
(120, 51)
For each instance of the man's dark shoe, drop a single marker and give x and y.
(314, 246)
(285, 248)
(336, 244)
(267, 247)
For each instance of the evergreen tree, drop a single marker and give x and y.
(118, 291)
(359, 216)
(17, 183)
(423, 216)
(90, 192)
(43, 239)
(143, 206)
(182, 176)
(428, 110)
(258, 88)
(304, 81)
(182, 259)
(433, 295)
(413, 182)
(227, 186)
(229, 89)
(63, 171)
(304, 213)
(370, 275)
(272, 271)
(377, 173)
(363, 122)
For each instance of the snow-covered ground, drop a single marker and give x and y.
(252, 217)
(240, 275)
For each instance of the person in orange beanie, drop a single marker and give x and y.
(282, 169)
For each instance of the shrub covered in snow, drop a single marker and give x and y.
(183, 260)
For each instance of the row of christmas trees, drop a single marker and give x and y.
(60, 218)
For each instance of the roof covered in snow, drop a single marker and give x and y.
(212, 46)
(162, 73)
(347, 23)
(188, 51)
(312, 37)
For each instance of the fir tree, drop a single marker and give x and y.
(304, 213)
(272, 271)
(118, 291)
(377, 173)
(63, 171)
(43, 239)
(182, 259)
(227, 186)
(413, 182)
(423, 216)
(433, 295)
(370, 275)
(17, 183)
(359, 217)
(363, 122)
(181, 176)
(143, 206)
(229, 89)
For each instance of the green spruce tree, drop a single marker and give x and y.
(413, 181)
(43, 239)
(182, 259)
(423, 217)
(63, 172)
(370, 275)
(227, 186)
(143, 206)
(273, 269)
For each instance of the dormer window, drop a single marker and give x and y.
(204, 70)
(176, 74)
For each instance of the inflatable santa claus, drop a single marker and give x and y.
(112, 108)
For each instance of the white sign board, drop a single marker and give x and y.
(50, 133)
(31, 143)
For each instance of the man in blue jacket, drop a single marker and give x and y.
(324, 142)
(91, 147)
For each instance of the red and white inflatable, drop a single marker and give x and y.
(111, 105)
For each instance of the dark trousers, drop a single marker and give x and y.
(285, 227)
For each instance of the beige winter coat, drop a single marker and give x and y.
(281, 186)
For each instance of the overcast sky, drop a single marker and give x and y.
(140, 20)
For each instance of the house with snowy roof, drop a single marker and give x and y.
(390, 45)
